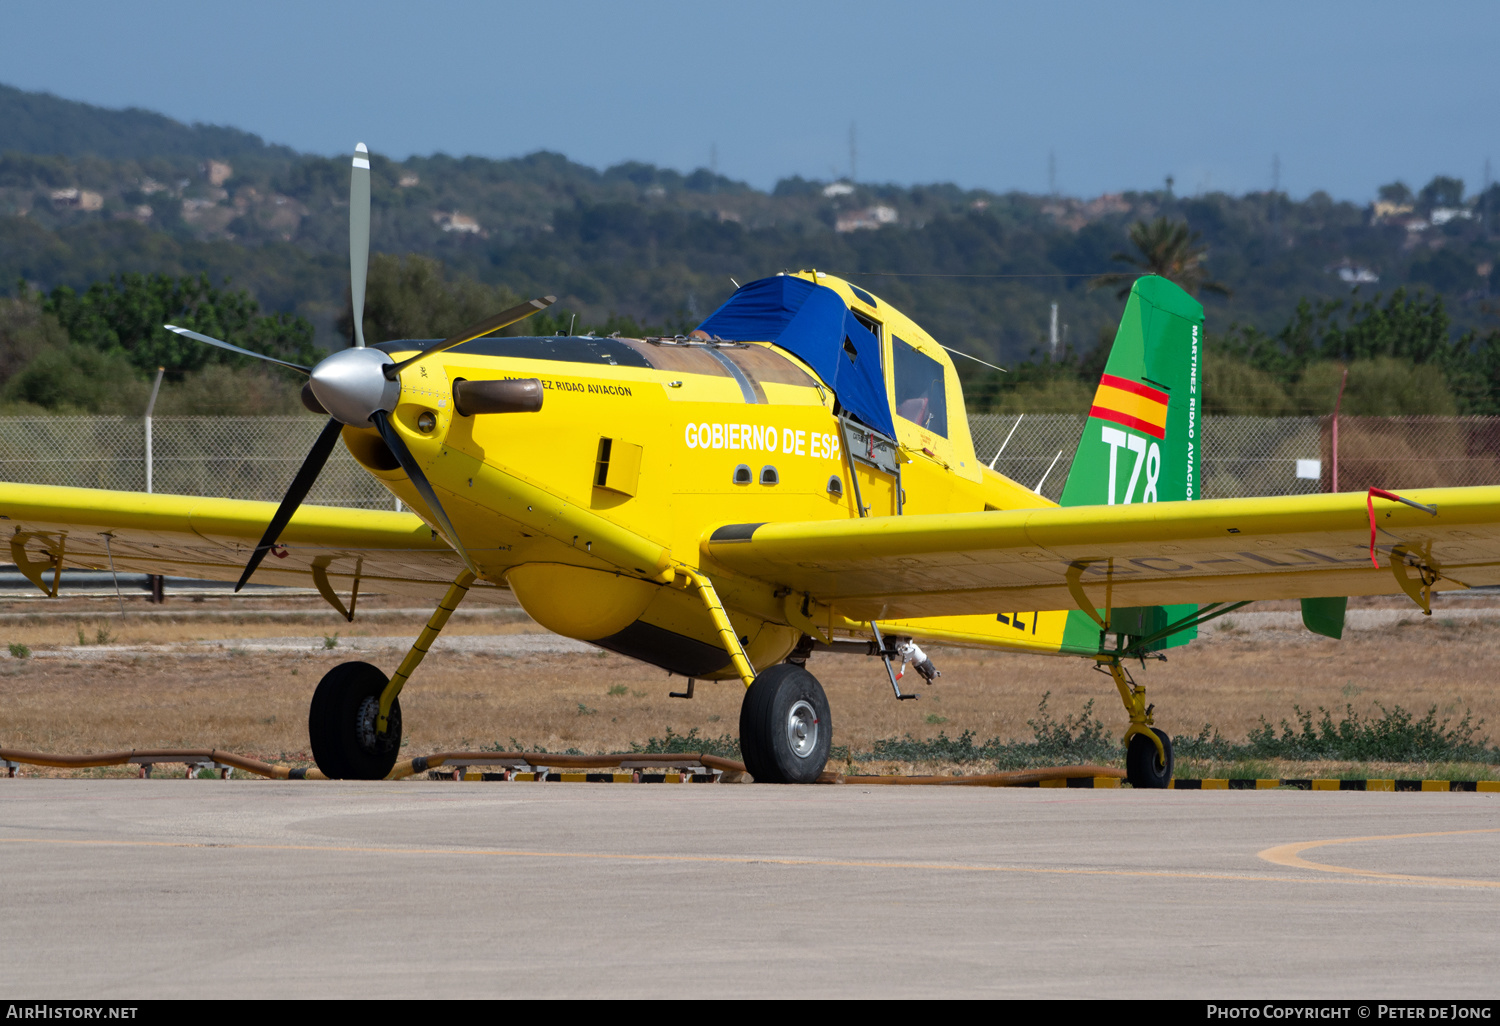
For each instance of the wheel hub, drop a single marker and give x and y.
(364, 724)
(802, 729)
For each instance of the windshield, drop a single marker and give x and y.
(920, 395)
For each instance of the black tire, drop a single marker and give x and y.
(1142, 767)
(341, 724)
(785, 728)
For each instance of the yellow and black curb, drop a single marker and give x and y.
(702, 768)
(1332, 784)
(680, 768)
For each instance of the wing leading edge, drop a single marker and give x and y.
(1105, 557)
(209, 538)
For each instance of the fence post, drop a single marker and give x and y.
(1335, 446)
(151, 405)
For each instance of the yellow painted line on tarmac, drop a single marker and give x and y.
(1291, 855)
(751, 860)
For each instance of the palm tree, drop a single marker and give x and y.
(1166, 248)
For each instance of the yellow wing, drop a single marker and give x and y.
(211, 539)
(1301, 546)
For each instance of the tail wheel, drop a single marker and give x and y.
(342, 720)
(1143, 767)
(785, 727)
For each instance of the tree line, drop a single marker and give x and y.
(1387, 355)
(96, 350)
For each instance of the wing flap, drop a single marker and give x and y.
(1282, 547)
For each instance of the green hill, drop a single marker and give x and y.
(41, 123)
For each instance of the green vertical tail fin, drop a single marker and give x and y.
(1144, 432)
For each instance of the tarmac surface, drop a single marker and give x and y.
(179, 888)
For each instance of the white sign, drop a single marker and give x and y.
(1310, 470)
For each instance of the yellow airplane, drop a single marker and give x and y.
(796, 476)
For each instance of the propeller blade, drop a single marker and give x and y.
(236, 349)
(301, 485)
(473, 331)
(382, 421)
(359, 238)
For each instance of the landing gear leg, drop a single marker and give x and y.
(354, 723)
(785, 728)
(1148, 751)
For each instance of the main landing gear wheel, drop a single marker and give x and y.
(341, 724)
(785, 729)
(1143, 767)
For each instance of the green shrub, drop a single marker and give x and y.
(1396, 736)
(725, 746)
(1080, 738)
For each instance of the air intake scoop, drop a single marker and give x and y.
(517, 395)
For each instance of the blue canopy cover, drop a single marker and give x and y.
(812, 323)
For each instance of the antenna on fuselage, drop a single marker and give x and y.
(976, 359)
(1007, 439)
(1038, 488)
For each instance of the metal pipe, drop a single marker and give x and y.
(859, 502)
(111, 553)
(886, 658)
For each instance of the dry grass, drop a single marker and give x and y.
(255, 703)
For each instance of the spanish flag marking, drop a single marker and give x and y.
(1131, 404)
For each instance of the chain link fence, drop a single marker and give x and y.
(242, 457)
(1244, 456)
(1413, 452)
(257, 457)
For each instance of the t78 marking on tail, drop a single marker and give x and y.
(1146, 452)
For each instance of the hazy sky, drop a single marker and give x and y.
(1349, 95)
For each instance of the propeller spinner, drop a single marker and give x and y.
(359, 386)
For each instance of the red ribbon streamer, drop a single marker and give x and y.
(1370, 505)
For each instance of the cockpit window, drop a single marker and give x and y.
(920, 394)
